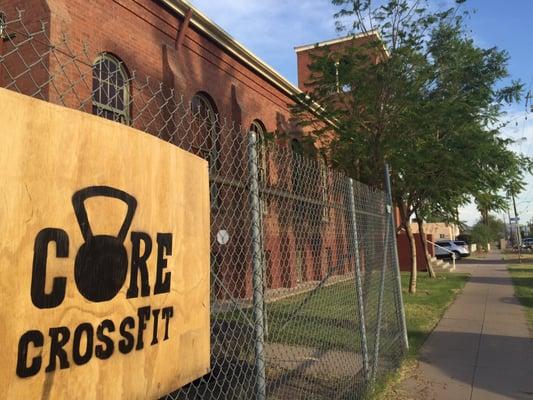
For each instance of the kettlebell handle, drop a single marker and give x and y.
(78, 202)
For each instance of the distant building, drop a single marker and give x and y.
(439, 230)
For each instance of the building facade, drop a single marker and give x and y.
(105, 49)
(439, 230)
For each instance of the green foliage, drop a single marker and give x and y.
(487, 230)
(326, 323)
(421, 96)
(417, 93)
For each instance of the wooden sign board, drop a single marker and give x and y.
(104, 257)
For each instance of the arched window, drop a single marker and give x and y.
(262, 158)
(208, 141)
(111, 94)
(298, 183)
(258, 127)
(297, 147)
(3, 23)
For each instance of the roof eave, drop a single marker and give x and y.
(374, 32)
(228, 43)
(222, 38)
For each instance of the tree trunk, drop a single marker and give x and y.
(414, 271)
(424, 241)
(405, 221)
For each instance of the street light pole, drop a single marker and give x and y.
(511, 234)
(518, 234)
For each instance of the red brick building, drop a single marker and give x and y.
(173, 43)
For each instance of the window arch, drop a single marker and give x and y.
(111, 94)
(298, 183)
(3, 24)
(296, 146)
(205, 113)
(258, 127)
(205, 116)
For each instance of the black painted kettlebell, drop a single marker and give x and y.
(102, 261)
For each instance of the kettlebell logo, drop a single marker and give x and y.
(101, 263)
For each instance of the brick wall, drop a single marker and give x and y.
(305, 57)
(143, 34)
(404, 253)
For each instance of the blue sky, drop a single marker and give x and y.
(272, 28)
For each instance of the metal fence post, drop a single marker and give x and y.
(258, 295)
(380, 301)
(396, 264)
(358, 284)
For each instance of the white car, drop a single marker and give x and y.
(527, 243)
(445, 249)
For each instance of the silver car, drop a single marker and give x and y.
(445, 249)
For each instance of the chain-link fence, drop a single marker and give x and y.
(305, 292)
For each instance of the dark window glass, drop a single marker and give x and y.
(3, 20)
(207, 142)
(111, 98)
(262, 160)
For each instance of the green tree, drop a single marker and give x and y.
(487, 230)
(506, 180)
(427, 105)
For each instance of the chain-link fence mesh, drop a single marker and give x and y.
(305, 294)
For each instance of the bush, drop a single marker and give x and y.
(484, 232)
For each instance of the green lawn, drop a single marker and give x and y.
(328, 318)
(522, 275)
(325, 319)
(525, 257)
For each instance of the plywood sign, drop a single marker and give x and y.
(104, 258)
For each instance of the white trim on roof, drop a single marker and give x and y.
(226, 41)
(221, 37)
(335, 41)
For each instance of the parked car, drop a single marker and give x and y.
(445, 249)
(527, 243)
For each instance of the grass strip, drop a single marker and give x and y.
(522, 276)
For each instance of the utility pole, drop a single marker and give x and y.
(505, 229)
(518, 234)
(511, 234)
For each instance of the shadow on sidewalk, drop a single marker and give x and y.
(452, 362)
(516, 261)
(472, 261)
(491, 280)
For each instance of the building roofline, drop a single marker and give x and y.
(330, 42)
(227, 42)
(224, 39)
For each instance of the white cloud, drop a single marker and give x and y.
(272, 28)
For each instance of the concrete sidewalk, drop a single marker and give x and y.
(481, 349)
